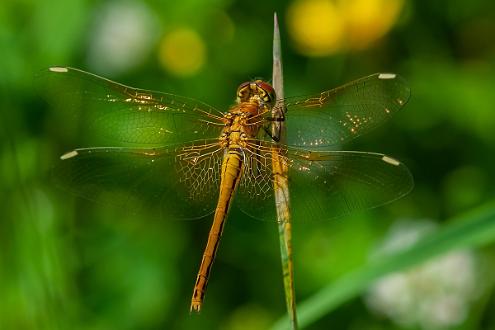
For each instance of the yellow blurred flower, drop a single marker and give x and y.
(324, 27)
(182, 52)
(316, 26)
(368, 20)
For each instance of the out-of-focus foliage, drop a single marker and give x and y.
(418, 277)
(67, 263)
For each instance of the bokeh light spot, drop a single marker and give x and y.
(368, 20)
(182, 52)
(123, 37)
(316, 26)
(325, 27)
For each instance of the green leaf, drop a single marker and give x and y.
(471, 230)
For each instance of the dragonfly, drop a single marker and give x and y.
(190, 160)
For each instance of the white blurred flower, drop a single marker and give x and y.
(124, 34)
(434, 295)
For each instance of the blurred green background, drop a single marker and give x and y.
(67, 263)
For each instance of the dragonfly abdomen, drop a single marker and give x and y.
(230, 177)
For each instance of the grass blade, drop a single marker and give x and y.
(474, 229)
(281, 183)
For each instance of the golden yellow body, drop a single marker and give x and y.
(241, 124)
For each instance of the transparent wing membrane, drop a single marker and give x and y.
(341, 114)
(325, 185)
(257, 177)
(198, 168)
(165, 178)
(349, 180)
(126, 116)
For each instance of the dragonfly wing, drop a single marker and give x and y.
(131, 116)
(338, 115)
(344, 182)
(182, 181)
(325, 185)
(255, 192)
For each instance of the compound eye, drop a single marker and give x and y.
(269, 91)
(241, 90)
(244, 85)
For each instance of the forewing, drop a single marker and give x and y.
(325, 185)
(123, 115)
(338, 115)
(180, 181)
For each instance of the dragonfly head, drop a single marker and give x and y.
(257, 90)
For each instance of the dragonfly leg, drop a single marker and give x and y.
(274, 137)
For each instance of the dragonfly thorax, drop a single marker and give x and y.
(237, 130)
